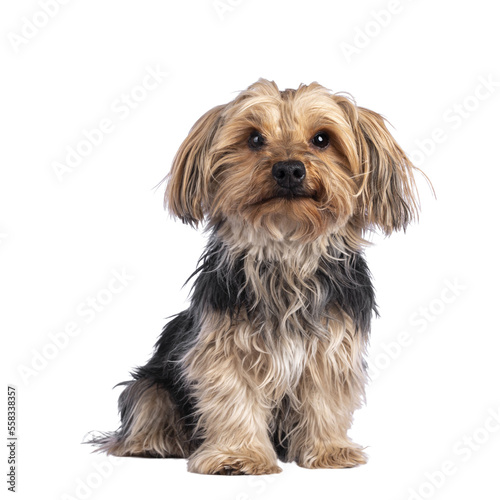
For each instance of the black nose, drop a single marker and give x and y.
(289, 174)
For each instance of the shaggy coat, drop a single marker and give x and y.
(268, 360)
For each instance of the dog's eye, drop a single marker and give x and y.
(256, 141)
(321, 140)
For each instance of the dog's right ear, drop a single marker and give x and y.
(186, 195)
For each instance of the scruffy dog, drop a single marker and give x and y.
(267, 362)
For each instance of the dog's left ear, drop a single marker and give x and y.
(388, 197)
(187, 190)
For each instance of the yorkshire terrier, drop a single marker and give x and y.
(268, 361)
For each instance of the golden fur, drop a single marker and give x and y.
(154, 425)
(364, 180)
(323, 382)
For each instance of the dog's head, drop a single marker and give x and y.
(296, 163)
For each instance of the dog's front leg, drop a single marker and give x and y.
(233, 415)
(331, 389)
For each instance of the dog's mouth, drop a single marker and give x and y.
(287, 198)
(289, 195)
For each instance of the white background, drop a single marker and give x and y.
(432, 401)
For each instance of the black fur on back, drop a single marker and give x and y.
(164, 367)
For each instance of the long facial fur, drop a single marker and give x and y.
(363, 180)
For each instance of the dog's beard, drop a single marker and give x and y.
(295, 219)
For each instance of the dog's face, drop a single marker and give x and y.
(296, 163)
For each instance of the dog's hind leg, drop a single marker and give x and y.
(151, 424)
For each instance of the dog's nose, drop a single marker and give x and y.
(289, 174)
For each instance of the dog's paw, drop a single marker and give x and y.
(230, 463)
(334, 458)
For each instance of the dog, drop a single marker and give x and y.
(268, 360)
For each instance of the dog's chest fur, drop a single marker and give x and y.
(285, 289)
(278, 312)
